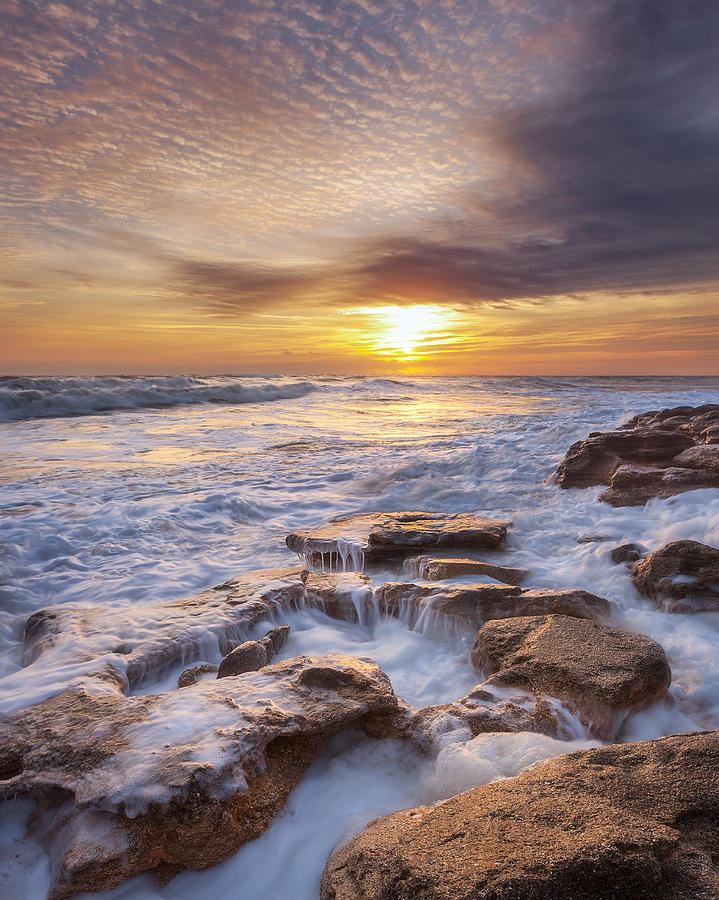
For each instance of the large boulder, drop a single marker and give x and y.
(600, 673)
(682, 577)
(434, 569)
(630, 820)
(354, 541)
(476, 603)
(656, 454)
(126, 785)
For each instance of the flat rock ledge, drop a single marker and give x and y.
(474, 604)
(126, 646)
(655, 454)
(600, 673)
(682, 577)
(633, 821)
(161, 783)
(352, 542)
(431, 568)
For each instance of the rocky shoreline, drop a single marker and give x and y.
(127, 783)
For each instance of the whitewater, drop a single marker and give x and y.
(129, 491)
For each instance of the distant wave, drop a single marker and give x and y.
(37, 398)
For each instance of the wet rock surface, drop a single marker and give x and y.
(599, 672)
(483, 711)
(655, 454)
(195, 673)
(682, 577)
(253, 655)
(433, 569)
(477, 603)
(627, 553)
(342, 595)
(633, 820)
(165, 782)
(128, 646)
(158, 783)
(353, 541)
(132, 644)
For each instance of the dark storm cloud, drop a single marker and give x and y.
(623, 167)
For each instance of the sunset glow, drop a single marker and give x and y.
(409, 332)
(495, 186)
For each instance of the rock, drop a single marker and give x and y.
(341, 595)
(482, 711)
(600, 673)
(655, 454)
(592, 539)
(627, 553)
(633, 821)
(682, 577)
(486, 708)
(194, 674)
(128, 645)
(476, 603)
(126, 785)
(432, 569)
(353, 541)
(634, 485)
(276, 638)
(703, 456)
(134, 643)
(248, 657)
(253, 655)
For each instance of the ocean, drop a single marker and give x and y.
(128, 491)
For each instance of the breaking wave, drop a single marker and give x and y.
(38, 398)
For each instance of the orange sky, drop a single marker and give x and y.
(359, 187)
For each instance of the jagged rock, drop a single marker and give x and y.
(342, 595)
(655, 454)
(682, 577)
(433, 569)
(633, 821)
(600, 673)
(195, 673)
(253, 655)
(165, 782)
(627, 553)
(476, 603)
(353, 541)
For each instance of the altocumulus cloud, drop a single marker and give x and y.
(311, 153)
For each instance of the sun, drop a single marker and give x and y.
(409, 332)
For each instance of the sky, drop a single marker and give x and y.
(305, 186)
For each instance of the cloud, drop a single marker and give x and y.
(261, 154)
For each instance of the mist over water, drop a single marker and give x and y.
(131, 491)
